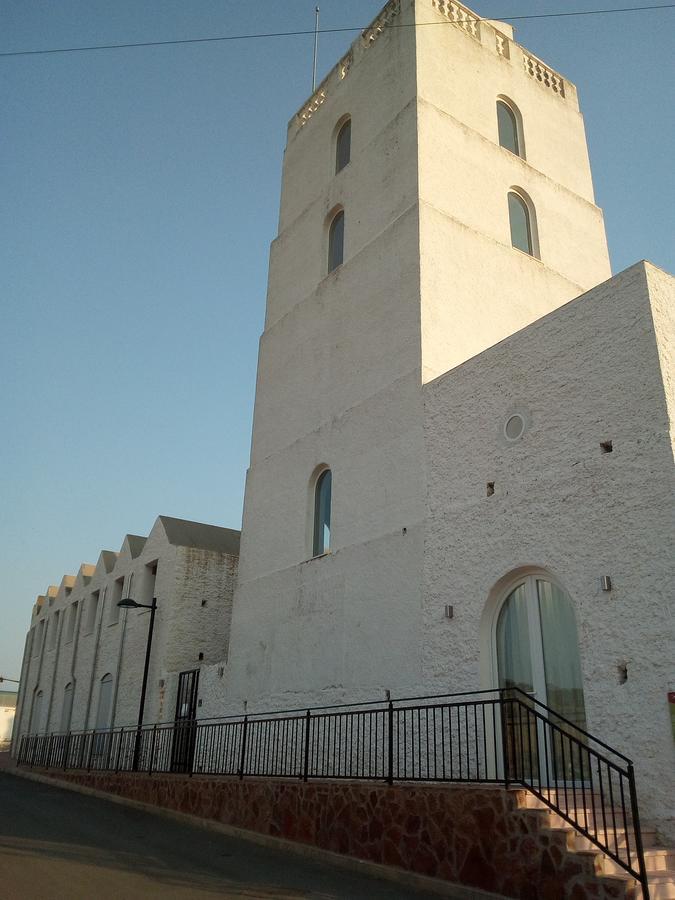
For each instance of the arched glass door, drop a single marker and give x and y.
(538, 652)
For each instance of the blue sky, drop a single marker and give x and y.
(140, 194)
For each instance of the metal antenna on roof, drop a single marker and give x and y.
(316, 47)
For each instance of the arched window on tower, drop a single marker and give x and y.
(510, 128)
(336, 241)
(523, 225)
(343, 145)
(322, 504)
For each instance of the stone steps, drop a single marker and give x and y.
(659, 861)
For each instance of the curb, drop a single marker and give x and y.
(307, 851)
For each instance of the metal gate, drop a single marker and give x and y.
(185, 732)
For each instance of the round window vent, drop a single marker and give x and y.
(514, 427)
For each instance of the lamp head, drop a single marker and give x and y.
(128, 603)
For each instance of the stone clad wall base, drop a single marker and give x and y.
(480, 837)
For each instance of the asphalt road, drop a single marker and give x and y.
(56, 844)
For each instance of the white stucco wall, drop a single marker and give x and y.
(587, 373)
(429, 279)
(339, 385)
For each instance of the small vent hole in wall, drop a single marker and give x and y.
(201, 656)
(622, 670)
(490, 488)
(404, 531)
(204, 601)
(606, 446)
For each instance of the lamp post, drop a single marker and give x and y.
(128, 603)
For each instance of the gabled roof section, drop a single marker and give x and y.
(132, 545)
(183, 533)
(106, 562)
(84, 574)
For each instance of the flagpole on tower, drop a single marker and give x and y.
(316, 47)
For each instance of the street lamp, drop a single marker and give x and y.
(128, 603)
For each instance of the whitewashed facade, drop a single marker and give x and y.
(398, 371)
(84, 656)
(494, 409)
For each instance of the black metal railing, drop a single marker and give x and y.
(500, 736)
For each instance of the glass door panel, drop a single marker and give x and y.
(514, 658)
(537, 651)
(564, 685)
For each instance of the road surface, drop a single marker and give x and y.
(56, 844)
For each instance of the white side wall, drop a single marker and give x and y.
(587, 373)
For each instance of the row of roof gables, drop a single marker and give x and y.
(177, 532)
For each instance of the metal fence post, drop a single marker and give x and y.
(505, 747)
(49, 751)
(66, 751)
(644, 883)
(305, 772)
(243, 748)
(390, 761)
(91, 750)
(152, 748)
(119, 750)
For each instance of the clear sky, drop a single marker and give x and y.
(140, 192)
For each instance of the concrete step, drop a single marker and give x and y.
(658, 861)
(662, 886)
(615, 841)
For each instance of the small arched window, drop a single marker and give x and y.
(343, 145)
(509, 128)
(521, 220)
(336, 241)
(322, 504)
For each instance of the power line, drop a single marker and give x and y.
(279, 34)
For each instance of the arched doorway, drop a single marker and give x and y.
(536, 649)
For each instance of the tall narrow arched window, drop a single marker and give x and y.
(322, 504)
(36, 722)
(104, 703)
(343, 145)
(67, 708)
(523, 226)
(336, 241)
(508, 125)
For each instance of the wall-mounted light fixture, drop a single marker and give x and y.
(449, 611)
(606, 583)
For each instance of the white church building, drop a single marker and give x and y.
(461, 471)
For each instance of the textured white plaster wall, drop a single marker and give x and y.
(587, 373)
(475, 288)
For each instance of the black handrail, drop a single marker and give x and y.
(503, 736)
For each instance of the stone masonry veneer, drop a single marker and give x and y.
(479, 837)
